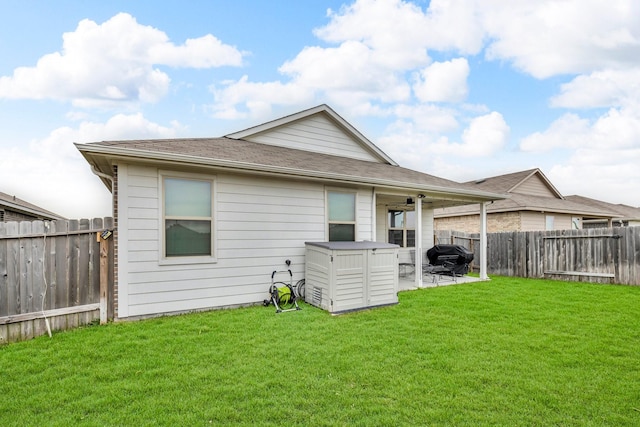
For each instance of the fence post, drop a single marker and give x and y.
(104, 273)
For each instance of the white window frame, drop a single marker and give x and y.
(355, 208)
(197, 259)
(549, 222)
(405, 229)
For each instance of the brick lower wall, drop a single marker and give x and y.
(496, 222)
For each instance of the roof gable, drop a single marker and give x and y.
(530, 182)
(320, 130)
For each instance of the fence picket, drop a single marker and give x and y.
(51, 266)
(601, 255)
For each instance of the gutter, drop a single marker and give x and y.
(102, 175)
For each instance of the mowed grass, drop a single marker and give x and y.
(506, 352)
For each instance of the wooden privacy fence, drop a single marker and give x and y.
(54, 275)
(602, 255)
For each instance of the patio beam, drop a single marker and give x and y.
(418, 243)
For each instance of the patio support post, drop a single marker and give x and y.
(418, 246)
(483, 241)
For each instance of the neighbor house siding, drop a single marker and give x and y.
(317, 134)
(535, 186)
(532, 221)
(562, 222)
(537, 221)
(259, 224)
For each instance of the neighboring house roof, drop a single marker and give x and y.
(513, 182)
(226, 153)
(529, 190)
(14, 204)
(624, 212)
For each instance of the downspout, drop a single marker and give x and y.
(101, 175)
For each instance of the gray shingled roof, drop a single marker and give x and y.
(240, 153)
(624, 212)
(19, 205)
(508, 183)
(502, 183)
(523, 202)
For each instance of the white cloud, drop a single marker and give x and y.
(606, 88)
(592, 174)
(420, 149)
(427, 118)
(485, 135)
(257, 98)
(548, 37)
(395, 31)
(53, 174)
(443, 81)
(455, 25)
(111, 63)
(617, 129)
(565, 132)
(596, 158)
(366, 61)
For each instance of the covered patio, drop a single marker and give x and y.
(407, 220)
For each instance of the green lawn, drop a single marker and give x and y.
(506, 352)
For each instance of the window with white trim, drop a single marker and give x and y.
(341, 214)
(187, 217)
(402, 228)
(549, 222)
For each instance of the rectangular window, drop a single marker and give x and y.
(402, 228)
(341, 211)
(188, 217)
(549, 222)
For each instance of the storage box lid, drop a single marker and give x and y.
(349, 246)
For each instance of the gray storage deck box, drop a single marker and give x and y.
(343, 276)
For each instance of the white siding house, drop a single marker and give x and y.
(261, 194)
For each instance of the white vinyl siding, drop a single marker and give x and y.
(259, 223)
(364, 215)
(317, 134)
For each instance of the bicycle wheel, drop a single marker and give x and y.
(300, 289)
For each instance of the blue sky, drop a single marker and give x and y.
(462, 89)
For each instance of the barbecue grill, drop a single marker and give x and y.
(449, 259)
